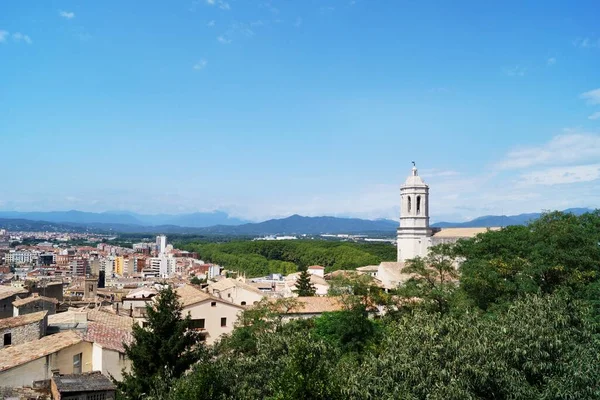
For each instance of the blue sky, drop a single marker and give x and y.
(317, 107)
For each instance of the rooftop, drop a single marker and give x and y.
(33, 298)
(316, 267)
(22, 320)
(315, 305)
(86, 382)
(20, 354)
(108, 337)
(229, 283)
(8, 291)
(462, 232)
(189, 295)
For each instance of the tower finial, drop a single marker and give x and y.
(414, 168)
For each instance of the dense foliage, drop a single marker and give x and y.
(259, 258)
(521, 322)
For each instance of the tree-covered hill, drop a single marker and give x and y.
(259, 258)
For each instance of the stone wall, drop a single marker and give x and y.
(37, 306)
(24, 333)
(6, 307)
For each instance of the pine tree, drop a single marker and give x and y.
(304, 286)
(165, 348)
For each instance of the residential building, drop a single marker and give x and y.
(90, 386)
(35, 360)
(34, 304)
(316, 270)
(210, 315)
(22, 329)
(161, 244)
(235, 291)
(119, 265)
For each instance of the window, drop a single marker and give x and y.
(77, 363)
(213, 304)
(243, 303)
(409, 204)
(197, 324)
(418, 205)
(228, 294)
(223, 322)
(7, 339)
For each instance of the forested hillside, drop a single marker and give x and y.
(259, 258)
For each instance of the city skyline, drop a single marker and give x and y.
(264, 109)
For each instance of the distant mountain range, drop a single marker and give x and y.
(503, 220)
(219, 223)
(193, 220)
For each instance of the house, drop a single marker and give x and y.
(65, 352)
(316, 270)
(108, 332)
(91, 385)
(235, 291)
(105, 330)
(34, 303)
(311, 307)
(136, 300)
(22, 329)
(320, 284)
(368, 270)
(8, 294)
(210, 315)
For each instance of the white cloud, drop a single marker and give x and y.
(592, 97)
(569, 148)
(3, 35)
(595, 115)
(516, 71)
(561, 175)
(200, 65)
(211, 23)
(551, 61)
(210, 2)
(224, 5)
(67, 14)
(223, 40)
(587, 43)
(298, 22)
(18, 37)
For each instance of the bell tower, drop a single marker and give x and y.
(414, 234)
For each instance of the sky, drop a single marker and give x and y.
(267, 108)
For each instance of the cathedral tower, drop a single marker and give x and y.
(414, 234)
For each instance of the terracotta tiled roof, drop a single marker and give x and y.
(316, 267)
(108, 337)
(7, 291)
(110, 319)
(462, 232)
(230, 283)
(20, 354)
(86, 382)
(189, 295)
(21, 302)
(315, 305)
(22, 320)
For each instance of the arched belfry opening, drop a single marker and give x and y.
(418, 205)
(409, 204)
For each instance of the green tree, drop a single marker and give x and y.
(165, 347)
(304, 286)
(434, 278)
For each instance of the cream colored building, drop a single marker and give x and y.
(235, 291)
(65, 352)
(210, 315)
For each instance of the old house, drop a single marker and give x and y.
(33, 304)
(235, 291)
(65, 352)
(210, 315)
(22, 329)
(87, 386)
